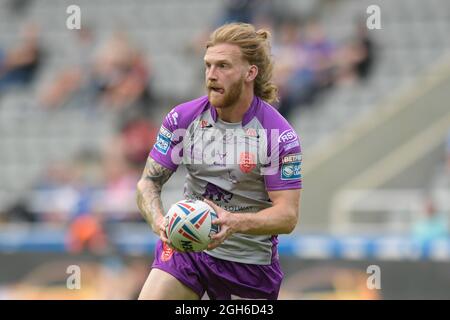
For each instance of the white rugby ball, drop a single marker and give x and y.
(188, 225)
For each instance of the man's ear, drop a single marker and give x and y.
(251, 73)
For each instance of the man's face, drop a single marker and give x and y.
(224, 74)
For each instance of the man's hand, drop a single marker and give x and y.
(280, 218)
(226, 222)
(160, 228)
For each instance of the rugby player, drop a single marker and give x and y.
(251, 179)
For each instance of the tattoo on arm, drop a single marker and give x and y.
(149, 191)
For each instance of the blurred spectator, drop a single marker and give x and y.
(20, 212)
(68, 81)
(308, 63)
(86, 234)
(56, 194)
(305, 64)
(237, 11)
(103, 189)
(356, 57)
(137, 136)
(131, 90)
(366, 48)
(248, 11)
(291, 73)
(432, 225)
(116, 77)
(119, 183)
(258, 12)
(320, 54)
(121, 75)
(19, 65)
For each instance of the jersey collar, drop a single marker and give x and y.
(248, 115)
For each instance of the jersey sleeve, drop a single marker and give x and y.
(167, 149)
(286, 163)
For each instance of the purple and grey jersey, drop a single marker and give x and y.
(233, 164)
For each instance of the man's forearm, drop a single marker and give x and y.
(273, 220)
(149, 203)
(149, 192)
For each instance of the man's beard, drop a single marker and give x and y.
(230, 97)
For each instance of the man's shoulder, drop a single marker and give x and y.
(183, 114)
(270, 118)
(275, 125)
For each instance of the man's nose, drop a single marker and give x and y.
(211, 74)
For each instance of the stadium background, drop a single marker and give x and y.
(79, 111)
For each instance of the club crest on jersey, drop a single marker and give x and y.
(247, 162)
(291, 167)
(205, 124)
(163, 140)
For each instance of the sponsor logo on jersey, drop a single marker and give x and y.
(228, 136)
(239, 208)
(163, 140)
(291, 167)
(251, 137)
(172, 118)
(166, 133)
(251, 133)
(216, 193)
(297, 157)
(247, 162)
(291, 145)
(287, 136)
